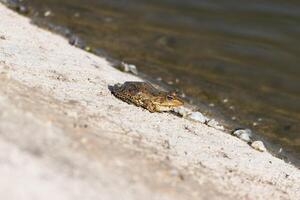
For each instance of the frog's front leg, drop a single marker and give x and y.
(149, 105)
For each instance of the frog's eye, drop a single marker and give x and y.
(170, 97)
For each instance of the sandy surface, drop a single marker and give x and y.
(64, 136)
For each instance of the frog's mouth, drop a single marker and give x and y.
(167, 105)
(162, 108)
(165, 108)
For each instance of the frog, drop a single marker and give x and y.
(143, 94)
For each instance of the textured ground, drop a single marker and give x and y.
(64, 136)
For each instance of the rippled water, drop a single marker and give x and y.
(242, 56)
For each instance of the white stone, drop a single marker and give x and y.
(129, 68)
(47, 13)
(213, 123)
(245, 137)
(182, 111)
(197, 116)
(258, 145)
(243, 134)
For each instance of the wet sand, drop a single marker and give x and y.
(63, 134)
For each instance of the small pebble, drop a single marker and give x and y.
(128, 68)
(197, 116)
(245, 137)
(213, 123)
(243, 134)
(211, 105)
(182, 95)
(87, 48)
(258, 145)
(182, 111)
(76, 41)
(259, 119)
(225, 100)
(23, 9)
(47, 13)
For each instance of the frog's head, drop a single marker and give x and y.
(167, 101)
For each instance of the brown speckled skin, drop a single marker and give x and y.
(145, 95)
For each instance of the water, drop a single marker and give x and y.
(241, 56)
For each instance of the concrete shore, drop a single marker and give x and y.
(63, 135)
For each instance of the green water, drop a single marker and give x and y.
(241, 56)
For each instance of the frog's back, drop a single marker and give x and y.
(134, 88)
(132, 91)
